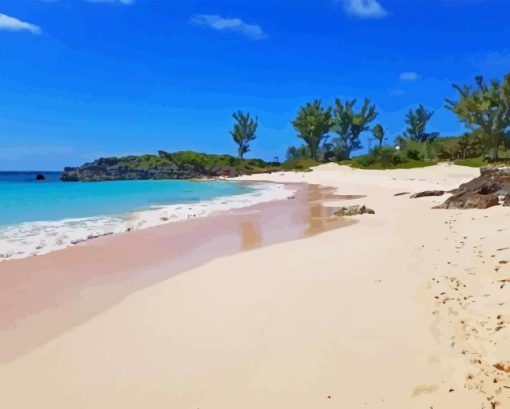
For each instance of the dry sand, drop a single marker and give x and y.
(406, 309)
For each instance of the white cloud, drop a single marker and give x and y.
(408, 76)
(13, 24)
(218, 23)
(364, 8)
(125, 2)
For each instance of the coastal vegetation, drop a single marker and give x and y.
(485, 110)
(333, 134)
(244, 131)
(349, 125)
(486, 107)
(416, 121)
(379, 132)
(312, 123)
(165, 165)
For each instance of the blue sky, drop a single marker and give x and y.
(81, 79)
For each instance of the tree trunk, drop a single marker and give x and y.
(313, 151)
(493, 152)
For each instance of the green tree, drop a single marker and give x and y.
(485, 107)
(297, 152)
(244, 131)
(416, 121)
(378, 132)
(312, 123)
(470, 145)
(349, 124)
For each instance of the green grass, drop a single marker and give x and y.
(300, 164)
(405, 165)
(472, 162)
(480, 161)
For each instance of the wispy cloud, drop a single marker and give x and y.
(408, 76)
(124, 2)
(236, 25)
(13, 24)
(364, 8)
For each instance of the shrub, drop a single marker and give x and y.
(381, 157)
(295, 153)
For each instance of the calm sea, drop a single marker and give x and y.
(23, 199)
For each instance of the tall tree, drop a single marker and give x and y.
(244, 132)
(416, 121)
(349, 124)
(312, 123)
(378, 132)
(485, 107)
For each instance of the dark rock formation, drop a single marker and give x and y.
(353, 210)
(470, 200)
(114, 169)
(179, 165)
(40, 176)
(427, 193)
(482, 192)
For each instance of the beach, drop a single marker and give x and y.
(405, 308)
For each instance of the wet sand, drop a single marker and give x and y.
(44, 296)
(407, 308)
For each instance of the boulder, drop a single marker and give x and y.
(481, 192)
(40, 176)
(469, 200)
(353, 210)
(427, 193)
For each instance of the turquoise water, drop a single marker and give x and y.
(22, 199)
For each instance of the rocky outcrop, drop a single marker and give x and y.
(353, 210)
(39, 177)
(179, 165)
(482, 192)
(114, 169)
(427, 193)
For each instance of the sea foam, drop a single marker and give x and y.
(36, 238)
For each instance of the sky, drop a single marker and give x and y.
(81, 79)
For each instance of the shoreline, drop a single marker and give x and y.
(35, 238)
(56, 281)
(407, 308)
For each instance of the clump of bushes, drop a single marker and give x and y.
(213, 164)
(382, 157)
(295, 153)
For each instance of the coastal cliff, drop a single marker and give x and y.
(178, 165)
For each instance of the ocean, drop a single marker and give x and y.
(41, 216)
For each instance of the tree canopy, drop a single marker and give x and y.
(349, 124)
(378, 132)
(313, 122)
(416, 121)
(486, 107)
(244, 131)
